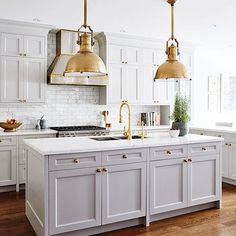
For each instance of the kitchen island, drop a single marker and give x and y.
(82, 186)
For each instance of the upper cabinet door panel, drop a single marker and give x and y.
(132, 56)
(34, 80)
(34, 46)
(116, 54)
(116, 86)
(11, 44)
(11, 79)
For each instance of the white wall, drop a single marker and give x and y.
(211, 61)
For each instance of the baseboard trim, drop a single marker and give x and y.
(229, 181)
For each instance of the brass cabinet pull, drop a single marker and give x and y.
(105, 169)
(219, 136)
(168, 152)
(21, 54)
(226, 144)
(190, 160)
(230, 144)
(204, 149)
(24, 100)
(25, 54)
(0, 140)
(201, 133)
(124, 157)
(99, 170)
(185, 160)
(76, 161)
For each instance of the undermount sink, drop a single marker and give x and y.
(115, 138)
(133, 137)
(104, 138)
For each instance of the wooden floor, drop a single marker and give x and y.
(211, 222)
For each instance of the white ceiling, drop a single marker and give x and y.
(195, 19)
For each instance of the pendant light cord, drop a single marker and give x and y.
(172, 22)
(85, 13)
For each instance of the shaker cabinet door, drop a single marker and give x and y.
(11, 80)
(34, 80)
(34, 46)
(123, 192)
(74, 200)
(8, 166)
(11, 45)
(168, 185)
(203, 180)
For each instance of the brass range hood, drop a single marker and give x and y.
(81, 68)
(172, 68)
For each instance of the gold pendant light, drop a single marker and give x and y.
(85, 63)
(172, 68)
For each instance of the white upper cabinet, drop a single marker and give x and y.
(23, 62)
(138, 58)
(34, 46)
(34, 74)
(12, 44)
(12, 79)
(125, 74)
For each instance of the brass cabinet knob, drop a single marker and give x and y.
(24, 100)
(185, 160)
(76, 161)
(24, 54)
(190, 160)
(219, 136)
(0, 140)
(204, 149)
(20, 54)
(105, 169)
(201, 133)
(99, 170)
(230, 144)
(168, 152)
(124, 157)
(226, 144)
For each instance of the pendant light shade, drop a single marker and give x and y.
(172, 68)
(85, 63)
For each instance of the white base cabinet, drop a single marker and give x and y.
(75, 199)
(168, 185)
(228, 153)
(89, 193)
(13, 159)
(8, 165)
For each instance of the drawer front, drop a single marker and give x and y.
(7, 141)
(204, 148)
(124, 156)
(168, 152)
(74, 161)
(21, 156)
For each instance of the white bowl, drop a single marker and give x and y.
(174, 133)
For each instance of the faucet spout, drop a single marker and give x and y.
(127, 133)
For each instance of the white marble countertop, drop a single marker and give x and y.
(85, 144)
(214, 128)
(28, 132)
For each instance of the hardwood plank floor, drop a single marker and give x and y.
(213, 222)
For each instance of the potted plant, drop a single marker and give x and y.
(180, 115)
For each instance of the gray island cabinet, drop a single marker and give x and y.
(79, 186)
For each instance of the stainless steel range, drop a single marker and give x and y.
(76, 131)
